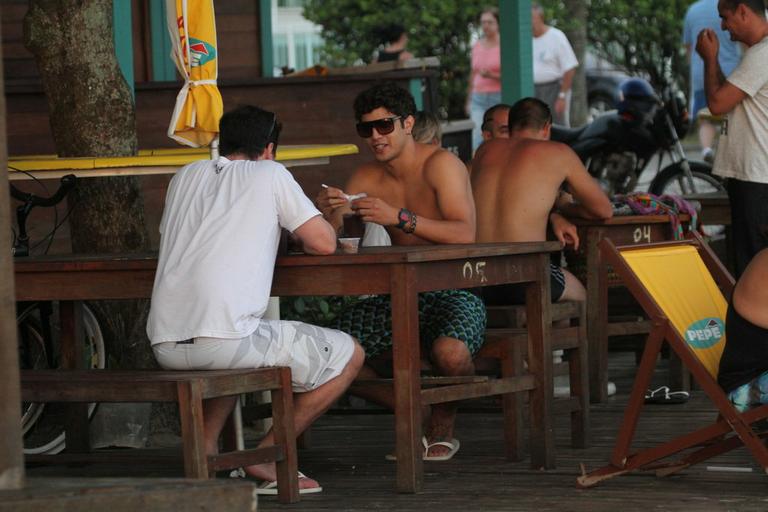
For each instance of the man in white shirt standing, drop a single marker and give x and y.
(742, 153)
(219, 236)
(554, 65)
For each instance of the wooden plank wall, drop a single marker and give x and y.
(18, 63)
(237, 23)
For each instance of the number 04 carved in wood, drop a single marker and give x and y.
(642, 233)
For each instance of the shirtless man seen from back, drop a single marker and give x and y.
(517, 186)
(421, 194)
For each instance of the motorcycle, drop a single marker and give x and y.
(617, 146)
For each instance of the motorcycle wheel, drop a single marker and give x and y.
(672, 180)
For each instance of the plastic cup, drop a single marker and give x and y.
(349, 245)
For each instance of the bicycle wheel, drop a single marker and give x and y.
(672, 180)
(33, 355)
(43, 430)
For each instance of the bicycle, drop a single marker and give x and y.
(37, 329)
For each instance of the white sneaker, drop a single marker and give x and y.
(611, 388)
(708, 155)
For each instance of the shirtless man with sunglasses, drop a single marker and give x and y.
(421, 195)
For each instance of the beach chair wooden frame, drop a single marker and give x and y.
(731, 430)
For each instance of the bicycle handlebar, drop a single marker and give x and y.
(67, 183)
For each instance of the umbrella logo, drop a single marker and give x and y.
(201, 52)
(705, 333)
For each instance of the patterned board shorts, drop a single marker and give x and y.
(751, 394)
(314, 354)
(455, 314)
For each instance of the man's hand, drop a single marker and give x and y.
(564, 231)
(373, 209)
(329, 199)
(707, 44)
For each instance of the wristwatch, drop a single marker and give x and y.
(403, 217)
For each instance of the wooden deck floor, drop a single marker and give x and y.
(347, 457)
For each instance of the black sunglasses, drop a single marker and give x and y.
(383, 126)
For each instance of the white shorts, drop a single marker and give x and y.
(314, 354)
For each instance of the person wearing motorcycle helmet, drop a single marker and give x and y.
(742, 153)
(637, 100)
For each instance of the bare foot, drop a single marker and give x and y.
(440, 428)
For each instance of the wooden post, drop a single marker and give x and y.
(11, 455)
(516, 50)
(267, 45)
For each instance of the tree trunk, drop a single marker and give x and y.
(577, 35)
(92, 114)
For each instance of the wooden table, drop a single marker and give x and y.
(402, 272)
(715, 208)
(155, 161)
(622, 230)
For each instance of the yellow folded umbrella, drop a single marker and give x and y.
(199, 106)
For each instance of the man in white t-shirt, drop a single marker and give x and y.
(742, 153)
(219, 236)
(554, 65)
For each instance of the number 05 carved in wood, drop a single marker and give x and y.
(478, 270)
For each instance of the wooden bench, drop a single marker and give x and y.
(188, 389)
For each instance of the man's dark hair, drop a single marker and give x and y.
(529, 114)
(390, 33)
(248, 130)
(388, 95)
(756, 6)
(488, 115)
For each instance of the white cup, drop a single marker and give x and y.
(349, 245)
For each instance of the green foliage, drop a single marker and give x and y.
(642, 37)
(435, 28)
(556, 13)
(314, 310)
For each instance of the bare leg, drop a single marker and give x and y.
(706, 136)
(380, 395)
(215, 414)
(307, 408)
(451, 358)
(574, 290)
